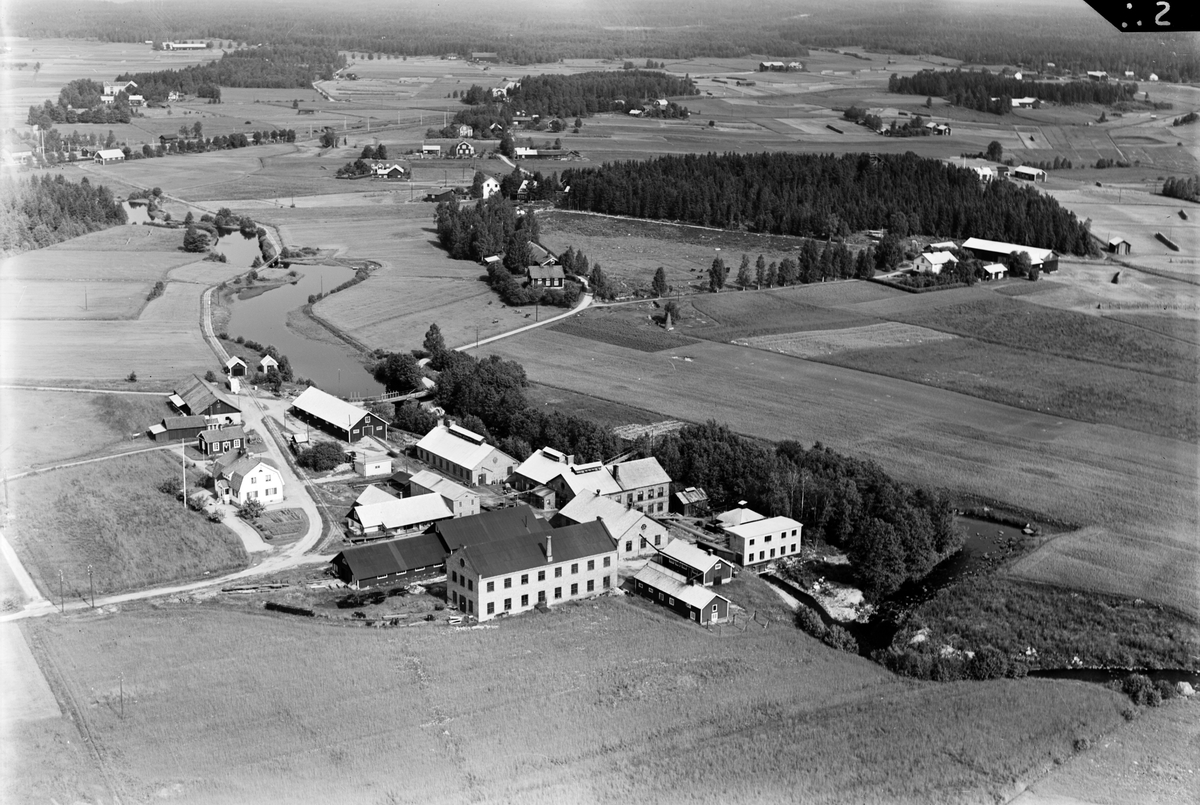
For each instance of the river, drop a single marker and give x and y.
(263, 318)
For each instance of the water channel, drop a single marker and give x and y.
(263, 318)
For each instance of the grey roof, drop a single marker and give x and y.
(490, 526)
(692, 495)
(427, 479)
(393, 556)
(401, 512)
(545, 272)
(327, 408)
(222, 434)
(673, 584)
(199, 395)
(180, 422)
(238, 470)
(519, 551)
(639, 473)
(688, 554)
(459, 446)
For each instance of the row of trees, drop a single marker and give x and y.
(585, 94)
(1186, 188)
(892, 531)
(39, 211)
(975, 89)
(813, 263)
(827, 196)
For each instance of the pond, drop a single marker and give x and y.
(136, 213)
(238, 249)
(333, 368)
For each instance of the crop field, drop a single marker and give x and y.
(45, 350)
(65, 60)
(1093, 339)
(622, 330)
(1139, 486)
(824, 343)
(36, 299)
(44, 427)
(392, 312)
(1184, 329)
(103, 264)
(110, 515)
(731, 316)
(665, 704)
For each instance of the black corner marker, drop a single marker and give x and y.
(1148, 16)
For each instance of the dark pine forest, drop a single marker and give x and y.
(826, 196)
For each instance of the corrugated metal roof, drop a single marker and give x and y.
(672, 584)
(402, 512)
(394, 556)
(692, 495)
(326, 407)
(199, 395)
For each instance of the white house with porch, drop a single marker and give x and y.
(249, 478)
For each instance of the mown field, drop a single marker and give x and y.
(44, 427)
(618, 327)
(110, 515)
(1137, 488)
(109, 300)
(626, 701)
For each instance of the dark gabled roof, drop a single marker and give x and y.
(522, 551)
(393, 556)
(182, 422)
(499, 524)
(222, 434)
(199, 396)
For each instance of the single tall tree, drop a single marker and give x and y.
(434, 343)
(659, 285)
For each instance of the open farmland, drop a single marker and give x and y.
(818, 343)
(617, 327)
(44, 427)
(728, 316)
(664, 704)
(34, 299)
(1139, 486)
(110, 515)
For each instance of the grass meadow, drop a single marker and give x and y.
(45, 427)
(594, 702)
(1137, 488)
(110, 515)
(37, 299)
(1062, 626)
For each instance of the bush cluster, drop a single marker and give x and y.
(833, 635)
(287, 609)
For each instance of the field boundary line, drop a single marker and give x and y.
(65, 465)
(81, 390)
(60, 686)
